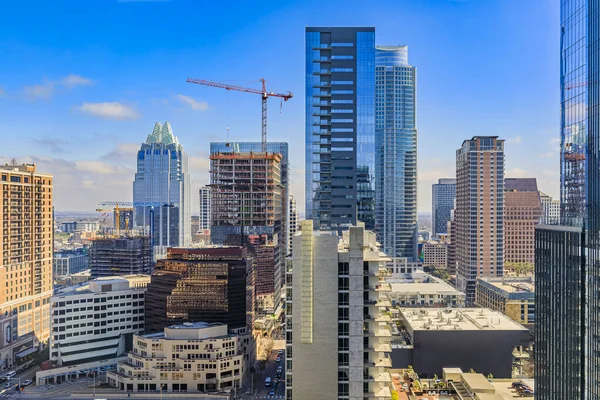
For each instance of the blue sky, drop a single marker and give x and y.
(83, 82)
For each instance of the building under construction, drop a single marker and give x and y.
(110, 256)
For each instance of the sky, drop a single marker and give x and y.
(82, 83)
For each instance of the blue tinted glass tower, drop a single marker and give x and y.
(442, 203)
(340, 127)
(396, 149)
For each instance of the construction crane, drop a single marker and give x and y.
(264, 94)
(105, 206)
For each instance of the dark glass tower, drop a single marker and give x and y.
(340, 127)
(442, 203)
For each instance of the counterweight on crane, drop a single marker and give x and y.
(264, 94)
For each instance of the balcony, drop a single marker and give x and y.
(383, 393)
(383, 287)
(384, 377)
(380, 348)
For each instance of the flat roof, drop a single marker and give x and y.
(462, 319)
(433, 286)
(476, 382)
(512, 285)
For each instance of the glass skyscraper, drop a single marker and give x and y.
(162, 190)
(442, 203)
(340, 127)
(396, 149)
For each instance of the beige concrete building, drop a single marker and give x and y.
(337, 336)
(26, 261)
(435, 254)
(479, 211)
(522, 212)
(190, 358)
(424, 291)
(512, 296)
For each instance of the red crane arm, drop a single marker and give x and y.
(225, 86)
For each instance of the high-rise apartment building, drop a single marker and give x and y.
(294, 220)
(451, 244)
(340, 127)
(162, 189)
(550, 209)
(205, 209)
(396, 152)
(127, 255)
(442, 203)
(567, 265)
(213, 284)
(479, 213)
(337, 335)
(522, 212)
(26, 234)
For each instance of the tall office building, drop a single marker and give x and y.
(340, 127)
(567, 265)
(26, 264)
(162, 189)
(550, 209)
(205, 210)
(442, 204)
(128, 255)
(396, 152)
(522, 213)
(479, 213)
(337, 335)
(294, 220)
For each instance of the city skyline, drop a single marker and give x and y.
(73, 98)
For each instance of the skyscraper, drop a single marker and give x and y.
(551, 209)
(396, 149)
(26, 260)
(294, 221)
(442, 203)
(336, 330)
(127, 255)
(522, 212)
(340, 127)
(162, 189)
(479, 214)
(205, 209)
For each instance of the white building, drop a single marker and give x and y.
(435, 254)
(340, 337)
(205, 210)
(551, 209)
(190, 358)
(423, 290)
(96, 320)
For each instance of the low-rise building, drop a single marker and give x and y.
(469, 338)
(96, 320)
(83, 226)
(68, 262)
(435, 254)
(423, 290)
(511, 295)
(195, 357)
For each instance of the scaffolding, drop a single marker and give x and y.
(574, 170)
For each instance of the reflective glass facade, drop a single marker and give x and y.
(442, 203)
(340, 131)
(396, 149)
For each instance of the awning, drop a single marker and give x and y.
(25, 353)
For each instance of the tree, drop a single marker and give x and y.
(395, 395)
(490, 376)
(520, 268)
(472, 371)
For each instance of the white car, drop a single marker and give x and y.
(27, 382)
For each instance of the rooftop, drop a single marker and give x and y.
(512, 284)
(104, 284)
(465, 319)
(428, 285)
(192, 331)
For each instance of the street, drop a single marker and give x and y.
(23, 376)
(262, 392)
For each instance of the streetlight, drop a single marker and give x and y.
(161, 388)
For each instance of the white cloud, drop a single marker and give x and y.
(42, 91)
(193, 103)
(111, 110)
(515, 140)
(73, 80)
(517, 173)
(555, 140)
(550, 154)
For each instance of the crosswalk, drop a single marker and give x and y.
(272, 397)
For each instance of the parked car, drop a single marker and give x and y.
(268, 381)
(272, 391)
(27, 382)
(278, 359)
(10, 374)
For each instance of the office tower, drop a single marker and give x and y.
(161, 190)
(340, 336)
(567, 269)
(68, 262)
(294, 220)
(110, 256)
(26, 263)
(340, 127)
(551, 209)
(93, 307)
(451, 245)
(213, 284)
(247, 194)
(522, 212)
(205, 218)
(442, 203)
(479, 213)
(396, 152)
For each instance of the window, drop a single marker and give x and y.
(342, 57)
(342, 45)
(342, 69)
(342, 92)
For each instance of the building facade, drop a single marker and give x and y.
(551, 209)
(522, 212)
(96, 320)
(479, 213)
(424, 291)
(127, 255)
(162, 190)
(82, 226)
(340, 338)
(26, 236)
(396, 152)
(213, 284)
(435, 254)
(205, 210)
(294, 221)
(442, 203)
(340, 127)
(194, 357)
(68, 262)
(512, 296)
(451, 264)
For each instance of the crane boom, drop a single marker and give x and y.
(264, 94)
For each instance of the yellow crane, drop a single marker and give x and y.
(103, 207)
